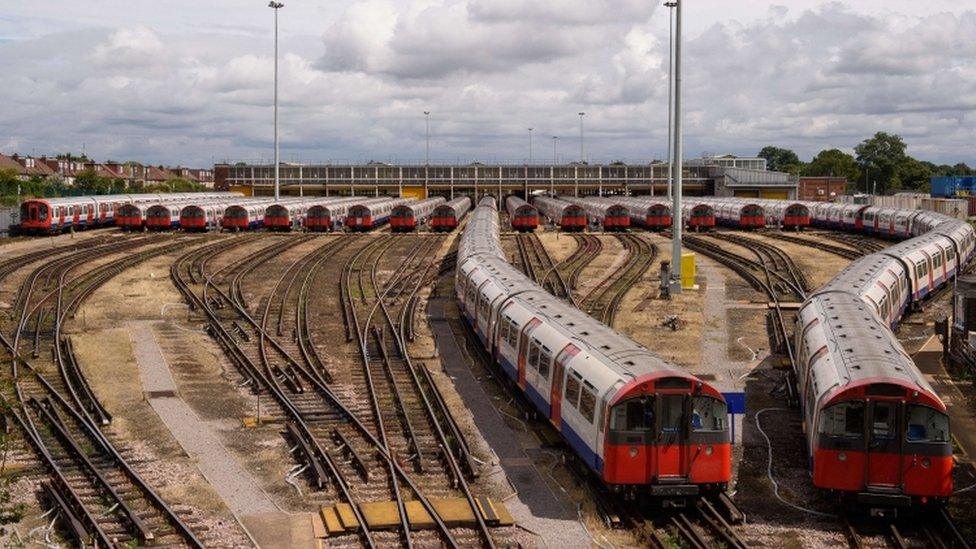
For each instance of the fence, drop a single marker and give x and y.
(8, 216)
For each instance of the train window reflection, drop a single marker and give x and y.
(633, 415)
(926, 424)
(843, 420)
(708, 414)
(672, 413)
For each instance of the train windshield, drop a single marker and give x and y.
(635, 416)
(844, 420)
(708, 414)
(926, 424)
(33, 211)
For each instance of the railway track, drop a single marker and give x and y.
(842, 251)
(935, 529)
(539, 266)
(588, 248)
(389, 442)
(603, 300)
(99, 497)
(867, 244)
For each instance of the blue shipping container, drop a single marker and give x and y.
(953, 185)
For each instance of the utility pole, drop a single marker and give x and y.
(670, 6)
(554, 138)
(582, 157)
(677, 164)
(277, 175)
(530, 145)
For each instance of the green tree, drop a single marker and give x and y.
(781, 160)
(916, 175)
(833, 163)
(90, 182)
(881, 158)
(9, 182)
(175, 185)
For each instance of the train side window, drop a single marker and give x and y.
(950, 255)
(571, 396)
(545, 358)
(513, 333)
(920, 270)
(926, 424)
(843, 420)
(587, 402)
(708, 414)
(937, 261)
(533, 355)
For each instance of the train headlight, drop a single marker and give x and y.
(634, 451)
(842, 456)
(709, 451)
(926, 463)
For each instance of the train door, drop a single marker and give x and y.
(672, 448)
(884, 444)
(556, 392)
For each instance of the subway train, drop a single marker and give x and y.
(406, 218)
(370, 214)
(611, 214)
(568, 216)
(647, 429)
(877, 433)
(522, 216)
(54, 215)
(446, 217)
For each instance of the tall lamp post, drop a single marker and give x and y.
(427, 153)
(277, 171)
(670, 6)
(676, 166)
(582, 158)
(552, 181)
(530, 145)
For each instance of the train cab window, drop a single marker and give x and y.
(572, 393)
(636, 414)
(587, 405)
(843, 420)
(708, 414)
(926, 424)
(950, 255)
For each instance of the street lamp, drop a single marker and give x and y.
(676, 166)
(671, 6)
(427, 154)
(277, 189)
(581, 115)
(554, 138)
(530, 145)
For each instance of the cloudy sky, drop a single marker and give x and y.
(180, 81)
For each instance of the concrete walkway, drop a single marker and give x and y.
(253, 508)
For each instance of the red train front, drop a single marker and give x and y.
(359, 218)
(887, 443)
(658, 217)
(129, 217)
(796, 216)
(616, 218)
(525, 218)
(752, 216)
(573, 219)
(318, 219)
(667, 436)
(702, 216)
(402, 219)
(443, 219)
(277, 217)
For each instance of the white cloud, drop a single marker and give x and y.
(356, 77)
